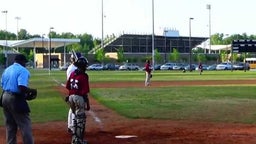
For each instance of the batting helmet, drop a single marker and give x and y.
(81, 62)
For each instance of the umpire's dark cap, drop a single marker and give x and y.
(20, 57)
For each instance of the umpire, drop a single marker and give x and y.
(14, 82)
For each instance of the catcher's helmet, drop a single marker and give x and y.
(82, 62)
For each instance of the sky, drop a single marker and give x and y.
(129, 16)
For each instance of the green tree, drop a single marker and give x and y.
(120, 54)
(223, 56)
(175, 55)
(100, 55)
(158, 57)
(198, 50)
(76, 47)
(67, 35)
(216, 39)
(2, 59)
(31, 55)
(234, 57)
(87, 42)
(200, 57)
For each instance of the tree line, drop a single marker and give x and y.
(88, 42)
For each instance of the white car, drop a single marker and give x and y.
(95, 67)
(129, 66)
(224, 66)
(167, 66)
(178, 66)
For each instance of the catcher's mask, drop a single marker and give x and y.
(82, 63)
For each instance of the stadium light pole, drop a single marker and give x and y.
(102, 27)
(17, 19)
(50, 47)
(5, 47)
(226, 36)
(190, 49)
(153, 37)
(208, 6)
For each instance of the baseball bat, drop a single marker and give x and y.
(74, 54)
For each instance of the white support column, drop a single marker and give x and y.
(65, 54)
(34, 52)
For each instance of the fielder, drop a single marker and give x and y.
(200, 68)
(148, 73)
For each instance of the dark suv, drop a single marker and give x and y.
(241, 66)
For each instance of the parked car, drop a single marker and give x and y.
(193, 67)
(109, 66)
(157, 66)
(129, 66)
(95, 67)
(178, 66)
(224, 66)
(241, 66)
(167, 66)
(117, 66)
(212, 67)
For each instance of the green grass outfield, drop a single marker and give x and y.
(232, 103)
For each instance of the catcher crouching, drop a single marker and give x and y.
(78, 87)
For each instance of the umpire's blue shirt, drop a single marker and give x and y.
(13, 76)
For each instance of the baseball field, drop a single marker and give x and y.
(218, 107)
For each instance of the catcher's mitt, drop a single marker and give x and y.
(32, 94)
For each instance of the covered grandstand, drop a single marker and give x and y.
(132, 43)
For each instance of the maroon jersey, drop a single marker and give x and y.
(147, 68)
(78, 84)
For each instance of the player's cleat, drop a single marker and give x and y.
(70, 131)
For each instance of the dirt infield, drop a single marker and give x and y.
(104, 125)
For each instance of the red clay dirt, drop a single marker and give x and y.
(104, 124)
